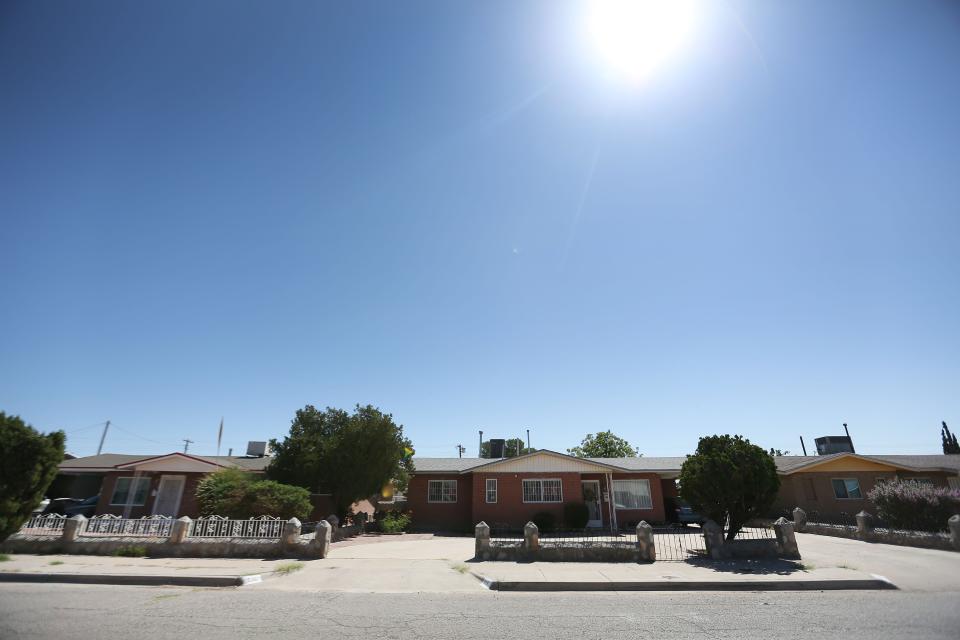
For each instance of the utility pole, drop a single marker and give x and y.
(103, 437)
(461, 449)
(852, 449)
(528, 438)
(186, 444)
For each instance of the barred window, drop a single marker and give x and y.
(442, 491)
(632, 494)
(550, 490)
(491, 486)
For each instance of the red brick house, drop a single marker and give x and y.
(454, 494)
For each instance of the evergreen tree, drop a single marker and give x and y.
(950, 444)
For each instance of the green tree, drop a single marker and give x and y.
(28, 464)
(729, 480)
(605, 444)
(349, 455)
(510, 448)
(950, 444)
(778, 452)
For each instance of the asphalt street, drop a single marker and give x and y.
(62, 611)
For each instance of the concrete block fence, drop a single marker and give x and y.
(644, 550)
(289, 543)
(865, 530)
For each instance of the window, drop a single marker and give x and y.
(442, 491)
(491, 489)
(632, 494)
(846, 488)
(122, 491)
(542, 491)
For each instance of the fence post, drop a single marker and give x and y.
(73, 527)
(179, 530)
(291, 532)
(954, 523)
(531, 538)
(786, 540)
(799, 520)
(713, 538)
(482, 535)
(321, 539)
(646, 550)
(864, 524)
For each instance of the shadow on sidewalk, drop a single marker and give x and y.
(744, 566)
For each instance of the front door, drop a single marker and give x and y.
(167, 502)
(591, 496)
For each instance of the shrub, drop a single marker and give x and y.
(236, 494)
(29, 464)
(576, 515)
(545, 521)
(729, 479)
(131, 551)
(395, 522)
(915, 506)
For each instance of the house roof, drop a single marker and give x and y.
(785, 464)
(111, 461)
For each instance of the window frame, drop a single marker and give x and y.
(649, 494)
(846, 489)
(487, 490)
(523, 490)
(134, 481)
(443, 494)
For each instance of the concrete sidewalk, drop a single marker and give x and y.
(198, 572)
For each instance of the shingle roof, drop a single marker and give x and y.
(643, 463)
(931, 462)
(110, 460)
(454, 465)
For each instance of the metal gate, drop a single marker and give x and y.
(676, 543)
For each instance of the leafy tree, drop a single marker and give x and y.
(605, 444)
(349, 455)
(238, 494)
(730, 480)
(950, 444)
(778, 452)
(510, 448)
(28, 464)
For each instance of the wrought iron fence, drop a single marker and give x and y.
(677, 543)
(264, 527)
(502, 535)
(111, 525)
(755, 533)
(50, 524)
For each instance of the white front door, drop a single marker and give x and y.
(591, 497)
(167, 502)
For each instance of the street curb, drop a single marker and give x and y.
(135, 580)
(687, 585)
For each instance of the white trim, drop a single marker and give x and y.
(456, 490)
(487, 490)
(131, 492)
(523, 491)
(176, 505)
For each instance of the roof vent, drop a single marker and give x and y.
(258, 449)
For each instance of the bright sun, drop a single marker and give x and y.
(633, 38)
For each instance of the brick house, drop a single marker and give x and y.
(837, 484)
(453, 494)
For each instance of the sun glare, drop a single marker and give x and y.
(634, 38)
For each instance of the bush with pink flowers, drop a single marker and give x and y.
(915, 506)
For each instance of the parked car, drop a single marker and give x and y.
(682, 513)
(85, 508)
(59, 505)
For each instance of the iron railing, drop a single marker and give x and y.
(111, 525)
(263, 527)
(50, 524)
(677, 543)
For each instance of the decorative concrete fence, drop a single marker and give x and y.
(205, 537)
(640, 547)
(866, 531)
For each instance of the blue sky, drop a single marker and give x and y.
(455, 212)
